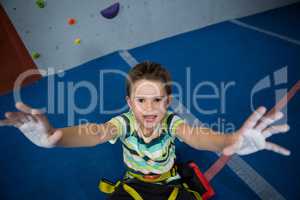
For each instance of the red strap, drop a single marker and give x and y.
(209, 190)
(216, 167)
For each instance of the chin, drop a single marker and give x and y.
(150, 125)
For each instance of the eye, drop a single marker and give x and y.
(140, 100)
(157, 100)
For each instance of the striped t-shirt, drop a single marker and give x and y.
(157, 156)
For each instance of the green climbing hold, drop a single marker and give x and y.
(40, 3)
(35, 55)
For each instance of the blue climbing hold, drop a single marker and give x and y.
(111, 11)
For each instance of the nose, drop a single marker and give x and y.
(148, 106)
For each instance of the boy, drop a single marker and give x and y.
(148, 130)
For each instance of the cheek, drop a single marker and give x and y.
(139, 117)
(162, 107)
(137, 110)
(138, 107)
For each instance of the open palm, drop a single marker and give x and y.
(33, 124)
(251, 137)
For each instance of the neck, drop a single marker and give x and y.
(148, 134)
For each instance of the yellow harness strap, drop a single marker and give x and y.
(132, 192)
(196, 194)
(174, 194)
(107, 187)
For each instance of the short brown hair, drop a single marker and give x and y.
(149, 71)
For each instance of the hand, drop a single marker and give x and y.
(34, 125)
(251, 137)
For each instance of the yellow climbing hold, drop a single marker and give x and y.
(77, 41)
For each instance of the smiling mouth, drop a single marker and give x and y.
(150, 118)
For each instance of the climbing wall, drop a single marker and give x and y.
(47, 33)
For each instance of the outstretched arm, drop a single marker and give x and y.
(203, 138)
(250, 138)
(36, 127)
(84, 135)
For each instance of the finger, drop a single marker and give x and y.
(37, 114)
(278, 149)
(23, 107)
(31, 118)
(27, 109)
(15, 118)
(7, 122)
(55, 137)
(268, 132)
(19, 116)
(254, 117)
(268, 120)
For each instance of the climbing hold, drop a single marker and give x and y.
(35, 55)
(77, 41)
(111, 11)
(40, 3)
(72, 21)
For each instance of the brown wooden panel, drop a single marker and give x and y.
(14, 57)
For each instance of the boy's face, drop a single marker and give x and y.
(148, 102)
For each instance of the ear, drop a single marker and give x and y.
(169, 100)
(129, 102)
